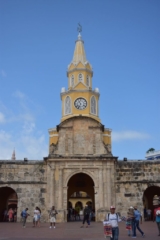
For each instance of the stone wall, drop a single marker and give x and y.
(45, 183)
(28, 180)
(80, 136)
(132, 178)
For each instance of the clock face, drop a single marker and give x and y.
(80, 103)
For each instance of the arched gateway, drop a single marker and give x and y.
(8, 199)
(80, 192)
(148, 195)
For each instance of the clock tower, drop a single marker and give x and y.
(80, 103)
(80, 99)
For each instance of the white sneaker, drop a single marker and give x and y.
(54, 227)
(50, 227)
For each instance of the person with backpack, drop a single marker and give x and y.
(113, 218)
(24, 216)
(86, 213)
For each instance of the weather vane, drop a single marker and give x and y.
(79, 28)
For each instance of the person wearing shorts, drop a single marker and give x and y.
(52, 216)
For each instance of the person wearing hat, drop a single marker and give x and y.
(113, 219)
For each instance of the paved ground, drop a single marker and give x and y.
(69, 231)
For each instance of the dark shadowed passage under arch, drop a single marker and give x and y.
(81, 182)
(8, 199)
(148, 195)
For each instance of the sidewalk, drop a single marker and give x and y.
(69, 231)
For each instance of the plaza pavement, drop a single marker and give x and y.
(69, 231)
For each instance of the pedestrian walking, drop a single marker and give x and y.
(52, 216)
(131, 222)
(157, 218)
(24, 216)
(35, 217)
(86, 213)
(138, 219)
(10, 215)
(113, 218)
(15, 215)
(90, 214)
(5, 215)
(38, 217)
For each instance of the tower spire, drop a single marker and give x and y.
(13, 155)
(79, 51)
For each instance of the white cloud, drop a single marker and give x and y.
(20, 132)
(28, 127)
(3, 73)
(129, 135)
(29, 146)
(2, 118)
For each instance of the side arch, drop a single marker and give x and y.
(8, 199)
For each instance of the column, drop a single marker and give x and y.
(60, 204)
(48, 188)
(101, 204)
(53, 187)
(105, 187)
(108, 187)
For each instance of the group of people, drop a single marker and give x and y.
(133, 220)
(36, 217)
(147, 214)
(10, 215)
(75, 214)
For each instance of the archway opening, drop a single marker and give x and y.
(148, 195)
(8, 200)
(80, 192)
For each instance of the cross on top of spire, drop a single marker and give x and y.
(79, 28)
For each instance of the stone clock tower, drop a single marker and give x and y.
(80, 157)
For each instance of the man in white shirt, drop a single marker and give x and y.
(113, 219)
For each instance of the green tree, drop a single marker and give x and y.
(150, 150)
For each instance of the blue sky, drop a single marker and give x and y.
(122, 42)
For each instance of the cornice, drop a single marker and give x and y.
(80, 69)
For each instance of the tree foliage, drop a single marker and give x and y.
(150, 150)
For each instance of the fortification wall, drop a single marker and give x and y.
(28, 180)
(132, 178)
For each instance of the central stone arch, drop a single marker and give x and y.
(80, 189)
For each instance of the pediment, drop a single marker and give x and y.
(89, 67)
(71, 67)
(80, 65)
(81, 86)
